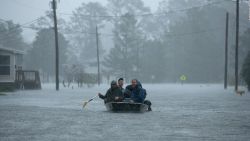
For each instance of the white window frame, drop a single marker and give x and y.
(6, 65)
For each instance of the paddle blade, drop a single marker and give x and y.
(84, 104)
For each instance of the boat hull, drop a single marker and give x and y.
(126, 107)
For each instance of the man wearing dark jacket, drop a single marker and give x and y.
(114, 94)
(137, 93)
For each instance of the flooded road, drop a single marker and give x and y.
(180, 112)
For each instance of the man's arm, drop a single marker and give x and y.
(141, 96)
(102, 96)
(127, 93)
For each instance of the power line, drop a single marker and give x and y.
(169, 34)
(139, 15)
(24, 24)
(30, 22)
(146, 14)
(106, 34)
(11, 30)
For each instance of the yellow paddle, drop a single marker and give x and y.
(86, 102)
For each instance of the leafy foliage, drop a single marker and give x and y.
(82, 29)
(122, 59)
(245, 52)
(11, 35)
(245, 72)
(42, 55)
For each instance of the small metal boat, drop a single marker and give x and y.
(126, 107)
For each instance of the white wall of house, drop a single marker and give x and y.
(15, 59)
(8, 77)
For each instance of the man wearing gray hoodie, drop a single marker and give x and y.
(113, 94)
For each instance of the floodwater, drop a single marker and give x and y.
(180, 112)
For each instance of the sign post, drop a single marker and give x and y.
(183, 78)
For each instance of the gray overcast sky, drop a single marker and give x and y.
(23, 11)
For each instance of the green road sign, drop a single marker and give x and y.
(183, 78)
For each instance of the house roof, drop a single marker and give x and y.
(11, 50)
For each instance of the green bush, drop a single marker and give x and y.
(6, 89)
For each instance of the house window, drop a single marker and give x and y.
(4, 65)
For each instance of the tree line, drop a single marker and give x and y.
(183, 37)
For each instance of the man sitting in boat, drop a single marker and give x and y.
(114, 94)
(120, 84)
(137, 93)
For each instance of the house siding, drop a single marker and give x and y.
(14, 58)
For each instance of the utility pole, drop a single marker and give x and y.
(56, 44)
(126, 57)
(226, 52)
(98, 60)
(237, 45)
(137, 58)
